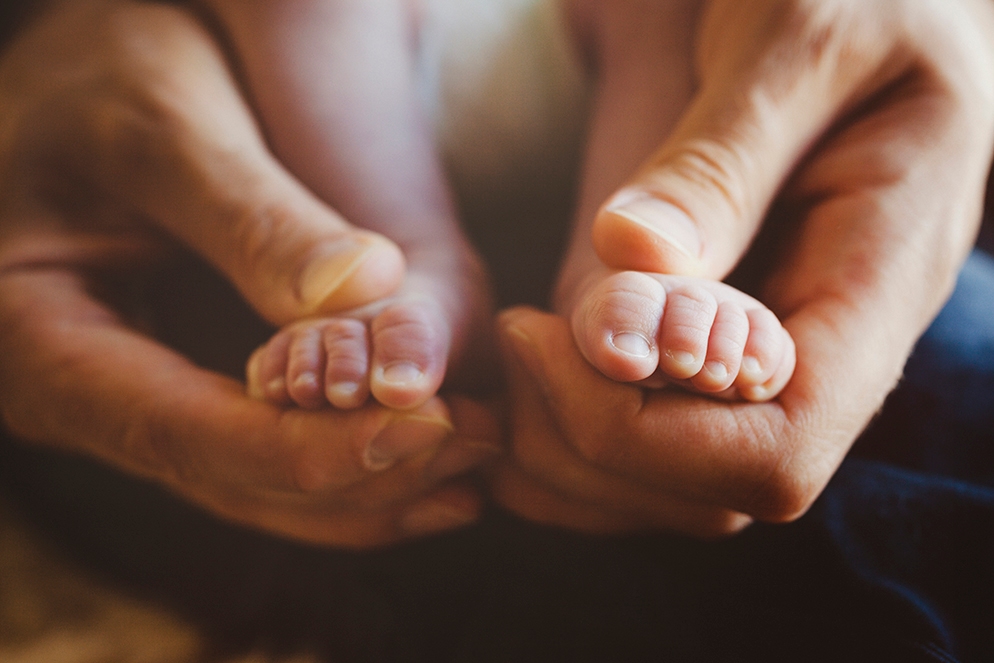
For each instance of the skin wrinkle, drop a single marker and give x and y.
(825, 433)
(698, 163)
(207, 474)
(829, 423)
(779, 495)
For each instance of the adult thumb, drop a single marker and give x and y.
(179, 145)
(772, 80)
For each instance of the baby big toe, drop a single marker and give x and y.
(410, 346)
(616, 323)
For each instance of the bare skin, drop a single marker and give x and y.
(879, 238)
(332, 81)
(873, 122)
(701, 334)
(662, 322)
(131, 114)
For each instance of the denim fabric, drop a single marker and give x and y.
(895, 562)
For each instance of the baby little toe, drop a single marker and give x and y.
(769, 362)
(266, 370)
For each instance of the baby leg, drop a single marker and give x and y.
(333, 83)
(634, 326)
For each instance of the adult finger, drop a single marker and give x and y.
(741, 457)
(773, 76)
(96, 387)
(166, 133)
(546, 479)
(74, 377)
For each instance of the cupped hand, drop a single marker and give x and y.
(869, 125)
(123, 139)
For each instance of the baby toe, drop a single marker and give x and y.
(346, 348)
(726, 344)
(768, 358)
(616, 324)
(410, 347)
(305, 367)
(685, 330)
(266, 370)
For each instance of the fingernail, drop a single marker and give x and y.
(404, 438)
(254, 386)
(527, 352)
(666, 220)
(402, 372)
(632, 343)
(322, 281)
(434, 516)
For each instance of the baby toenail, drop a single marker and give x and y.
(750, 366)
(716, 370)
(632, 343)
(276, 387)
(681, 357)
(342, 391)
(306, 380)
(757, 393)
(402, 372)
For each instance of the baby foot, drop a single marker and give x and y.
(397, 349)
(702, 334)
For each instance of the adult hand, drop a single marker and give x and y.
(871, 122)
(122, 137)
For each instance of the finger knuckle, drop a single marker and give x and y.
(717, 165)
(256, 230)
(146, 445)
(598, 446)
(530, 452)
(141, 101)
(19, 418)
(310, 467)
(792, 484)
